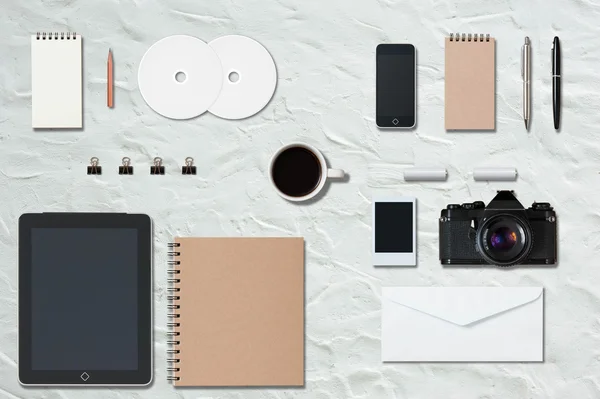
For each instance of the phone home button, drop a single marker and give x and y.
(395, 121)
(85, 376)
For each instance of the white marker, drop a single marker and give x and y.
(425, 174)
(495, 174)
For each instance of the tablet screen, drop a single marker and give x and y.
(84, 299)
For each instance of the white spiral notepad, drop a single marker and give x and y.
(56, 81)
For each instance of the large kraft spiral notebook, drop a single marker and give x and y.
(470, 98)
(237, 312)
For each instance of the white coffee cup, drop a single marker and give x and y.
(284, 174)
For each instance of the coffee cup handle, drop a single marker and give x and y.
(335, 173)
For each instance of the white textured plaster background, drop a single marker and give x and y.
(325, 55)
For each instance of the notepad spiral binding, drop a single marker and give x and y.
(173, 297)
(469, 37)
(56, 36)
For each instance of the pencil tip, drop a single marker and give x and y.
(526, 124)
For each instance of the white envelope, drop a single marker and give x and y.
(462, 324)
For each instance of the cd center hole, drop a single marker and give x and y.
(180, 77)
(234, 77)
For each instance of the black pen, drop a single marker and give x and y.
(556, 82)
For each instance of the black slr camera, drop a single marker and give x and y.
(504, 233)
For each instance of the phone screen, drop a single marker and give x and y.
(396, 85)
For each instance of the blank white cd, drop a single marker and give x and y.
(249, 77)
(180, 77)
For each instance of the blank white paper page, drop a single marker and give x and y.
(56, 81)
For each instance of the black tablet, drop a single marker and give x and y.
(85, 299)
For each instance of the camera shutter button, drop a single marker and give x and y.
(453, 206)
(541, 206)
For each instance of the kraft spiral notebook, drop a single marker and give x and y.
(56, 81)
(236, 312)
(470, 82)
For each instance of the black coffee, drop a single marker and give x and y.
(296, 172)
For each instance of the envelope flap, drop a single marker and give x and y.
(462, 305)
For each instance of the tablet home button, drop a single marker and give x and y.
(395, 121)
(85, 376)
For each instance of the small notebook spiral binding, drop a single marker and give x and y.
(173, 307)
(56, 36)
(469, 37)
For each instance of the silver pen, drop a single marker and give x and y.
(526, 75)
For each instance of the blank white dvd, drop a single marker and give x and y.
(249, 77)
(180, 77)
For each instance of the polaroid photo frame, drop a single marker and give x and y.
(394, 231)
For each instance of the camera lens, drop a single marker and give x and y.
(504, 240)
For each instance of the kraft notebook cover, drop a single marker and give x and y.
(237, 312)
(56, 88)
(470, 82)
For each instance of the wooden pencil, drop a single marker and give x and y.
(110, 81)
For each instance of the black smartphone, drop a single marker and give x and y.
(396, 102)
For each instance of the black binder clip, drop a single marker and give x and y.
(126, 169)
(188, 169)
(157, 168)
(94, 169)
